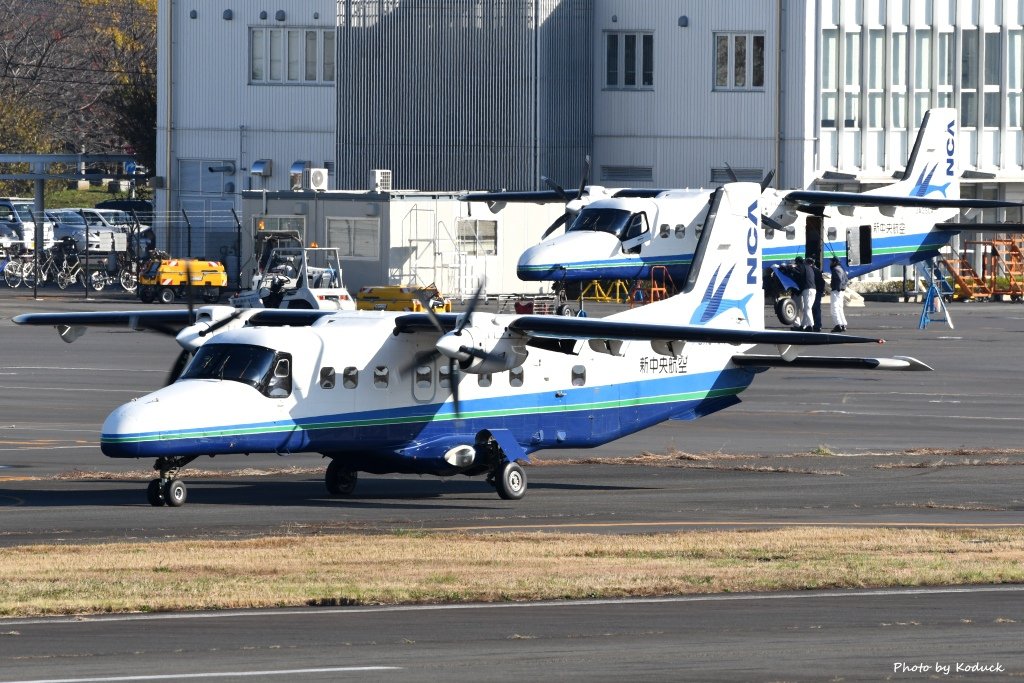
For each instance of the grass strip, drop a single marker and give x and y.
(427, 567)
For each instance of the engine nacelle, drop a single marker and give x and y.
(480, 350)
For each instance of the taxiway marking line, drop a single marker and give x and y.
(85, 620)
(218, 674)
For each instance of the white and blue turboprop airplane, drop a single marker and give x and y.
(626, 233)
(472, 393)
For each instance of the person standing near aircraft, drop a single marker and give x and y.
(837, 285)
(805, 280)
(819, 291)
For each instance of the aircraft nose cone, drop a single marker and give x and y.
(121, 432)
(562, 257)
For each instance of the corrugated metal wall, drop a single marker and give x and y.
(464, 93)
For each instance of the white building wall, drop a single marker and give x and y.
(680, 127)
(210, 111)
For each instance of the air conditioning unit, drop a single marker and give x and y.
(314, 179)
(380, 180)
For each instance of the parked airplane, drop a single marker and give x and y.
(627, 233)
(472, 393)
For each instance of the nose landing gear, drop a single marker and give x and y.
(166, 490)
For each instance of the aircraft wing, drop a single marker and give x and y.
(524, 197)
(814, 201)
(981, 227)
(584, 329)
(148, 319)
(557, 327)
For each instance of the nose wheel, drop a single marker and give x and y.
(167, 490)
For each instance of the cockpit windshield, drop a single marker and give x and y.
(244, 363)
(612, 221)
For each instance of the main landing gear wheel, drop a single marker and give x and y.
(175, 493)
(511, 481)
(785, 311)
(155, 493)
(340, 480)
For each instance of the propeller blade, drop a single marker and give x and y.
(453, 379)
(732, 173)
(189, 293)
(586, 175)
(179, 366)
(466, 318)
(768, 178)
(419, 359)
(481, 354)
(221, 323)
(561, 220)
(559, 190)
(429, 310)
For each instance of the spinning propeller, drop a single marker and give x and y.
(568, 214)
(453, 344)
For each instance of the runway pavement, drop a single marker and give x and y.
(804, 447)
(899, 635)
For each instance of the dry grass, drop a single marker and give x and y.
(942, 462)
(414, 567)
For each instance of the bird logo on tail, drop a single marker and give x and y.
(714, 302)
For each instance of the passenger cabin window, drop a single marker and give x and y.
(424, 376)
(380, 377)
(484, 379)
(515, 377)
(680, 231)
(444, 376)
(327, 378)
(579, 375)
(664, 230)
(350, 378)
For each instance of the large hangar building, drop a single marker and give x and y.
(487, 94)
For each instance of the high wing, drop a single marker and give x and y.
(71, 325)
(765, 361)
(524, 197)
(816, 201)
(981, 227)
(585, 329)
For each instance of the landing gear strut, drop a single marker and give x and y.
(166, 490)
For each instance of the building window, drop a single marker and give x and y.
(739, 61)
(291, 56)
(355, 238)
(477, 237)
(629, 60)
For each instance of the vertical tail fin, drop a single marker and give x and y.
(723, 288)
(933, 169)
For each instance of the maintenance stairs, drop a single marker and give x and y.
(659, 287)
(1002, 270)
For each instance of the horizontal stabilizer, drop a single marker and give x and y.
(834, 363)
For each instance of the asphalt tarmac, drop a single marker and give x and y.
(933, 449)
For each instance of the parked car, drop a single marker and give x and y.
(17, 224)
(70, 223)
(143, 208)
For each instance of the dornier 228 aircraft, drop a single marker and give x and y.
(625, 233)
(472, 393)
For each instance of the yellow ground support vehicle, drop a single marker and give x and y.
(165, 279)
(396, 298)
